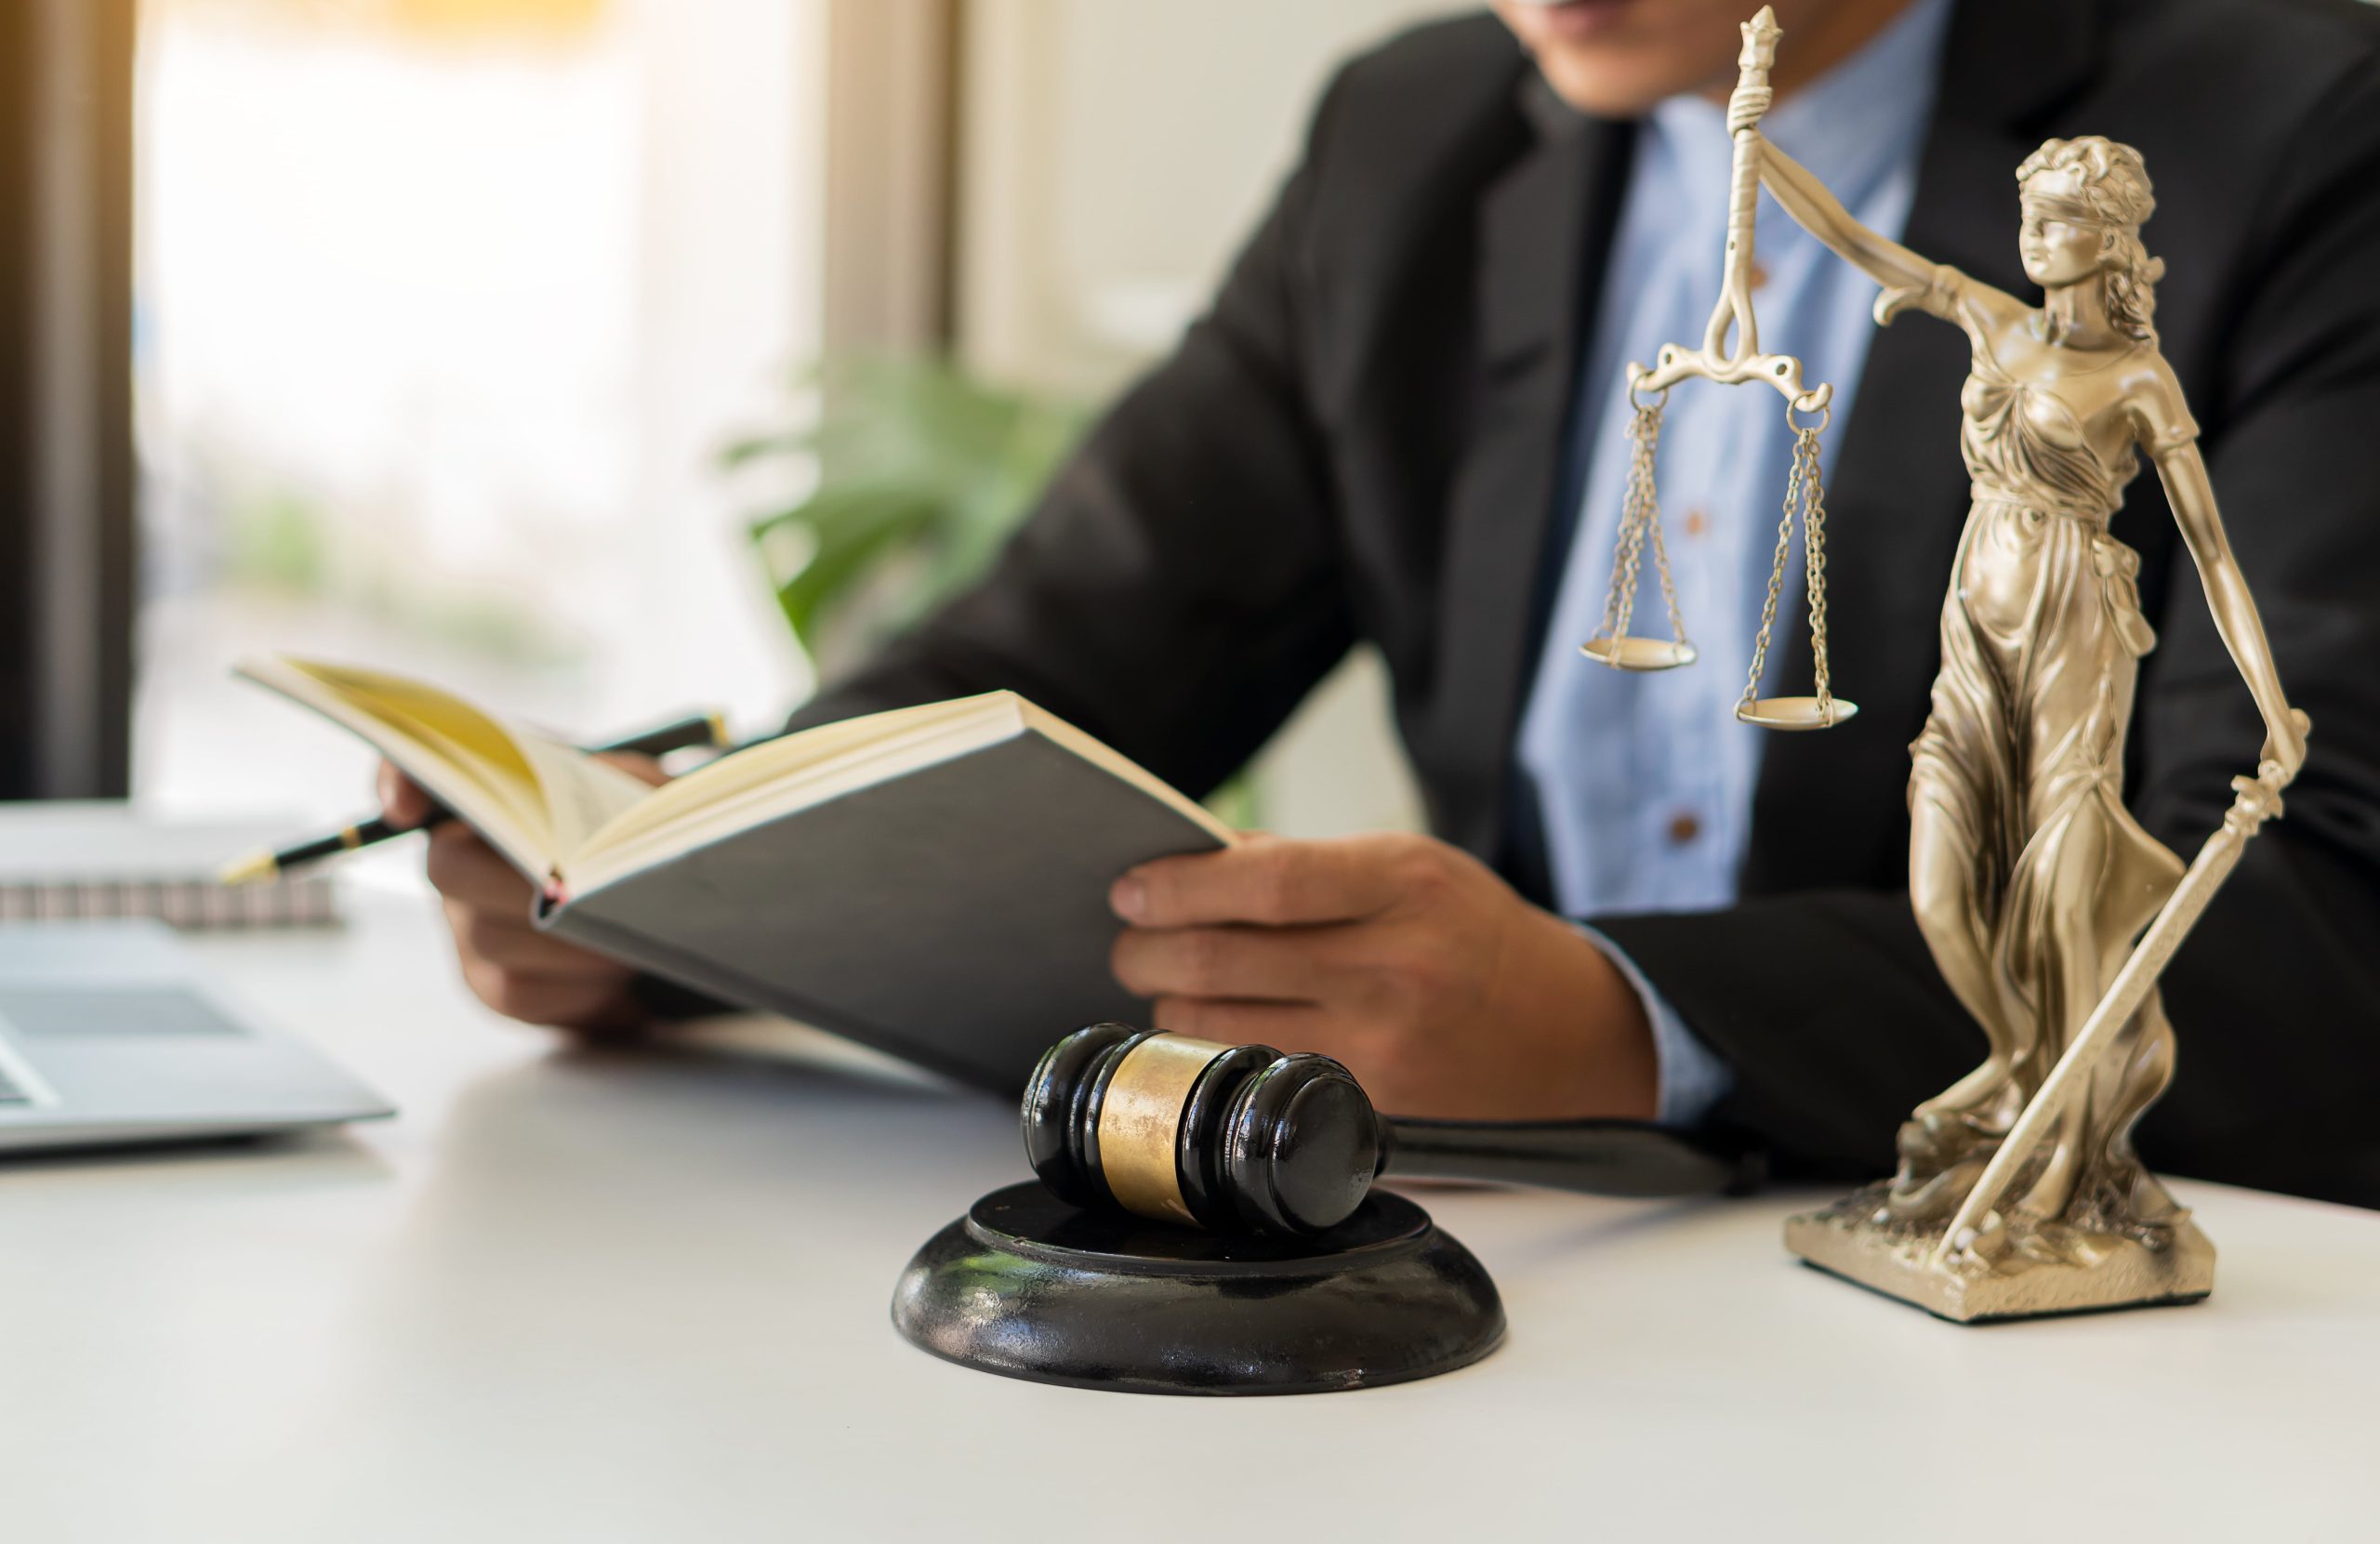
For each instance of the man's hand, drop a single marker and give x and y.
(1440, 988)
(507, 962)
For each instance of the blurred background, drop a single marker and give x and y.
(595, 358)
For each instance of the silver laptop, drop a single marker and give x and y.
(109, 1034)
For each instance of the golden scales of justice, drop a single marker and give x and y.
(2018, 1191)
(1730, 354)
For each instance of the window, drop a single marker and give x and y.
(443, 307)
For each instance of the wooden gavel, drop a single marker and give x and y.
(1243, 1139)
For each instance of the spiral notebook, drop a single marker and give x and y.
(70, 859)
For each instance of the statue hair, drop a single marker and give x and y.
(2114, 181)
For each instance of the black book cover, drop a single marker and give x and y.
(956, 916)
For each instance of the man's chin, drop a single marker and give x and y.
(1605, 86)
(1615, 59)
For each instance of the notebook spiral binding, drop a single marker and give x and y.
(300, 901)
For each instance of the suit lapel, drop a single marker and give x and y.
(1544, 230)
(1830, 808)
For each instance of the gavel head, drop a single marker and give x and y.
(1232, 1138)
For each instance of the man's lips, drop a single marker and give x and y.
(1578, 19)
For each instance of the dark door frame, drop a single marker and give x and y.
(66, 465)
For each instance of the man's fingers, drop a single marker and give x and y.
(1283, 1025)
(401, 799)
(1390, 1083)
(464, 868)
(1270, 881)
(635, 764)
(560, 1002)
(1274, 964)
(508, 942)
(1386, 1079)
(508, 963)
(525, 974)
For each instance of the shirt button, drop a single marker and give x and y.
(1758, 276)
(1683, 828)
(1697, 522)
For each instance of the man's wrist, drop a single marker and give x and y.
(1599, 1013)
(1688, 1077)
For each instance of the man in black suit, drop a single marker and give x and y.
(1370, 438)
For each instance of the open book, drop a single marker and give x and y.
(932, 881)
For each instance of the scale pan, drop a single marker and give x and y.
(1796, 712)
(1638, 653)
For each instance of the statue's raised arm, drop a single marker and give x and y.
(1908, 279)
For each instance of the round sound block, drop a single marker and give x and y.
(1029, 1287)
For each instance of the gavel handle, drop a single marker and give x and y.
(1594, 1157)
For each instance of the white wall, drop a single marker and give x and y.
(1114, 153)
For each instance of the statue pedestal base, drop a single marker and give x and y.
(2087, 1274)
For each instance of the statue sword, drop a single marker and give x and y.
(2258, 800)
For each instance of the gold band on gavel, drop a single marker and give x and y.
(1140, 1121)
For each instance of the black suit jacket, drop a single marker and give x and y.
(1363, 441)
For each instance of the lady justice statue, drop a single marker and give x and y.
(2018, 1191)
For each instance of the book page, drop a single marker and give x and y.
(570, 792)
(526, 794)
(779, 776)
(582, 794)
(716, 792)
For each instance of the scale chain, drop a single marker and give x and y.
(1632, 554)
(1640, 511)
(1805, 497)
(1619, 555)
(1814, 541)
(1793, 494)
(1661, 543)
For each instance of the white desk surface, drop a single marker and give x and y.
(593, 1297)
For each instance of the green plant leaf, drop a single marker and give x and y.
(853, 529)
(792, 442)
(921, 467)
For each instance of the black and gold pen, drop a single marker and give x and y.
(701, 729)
